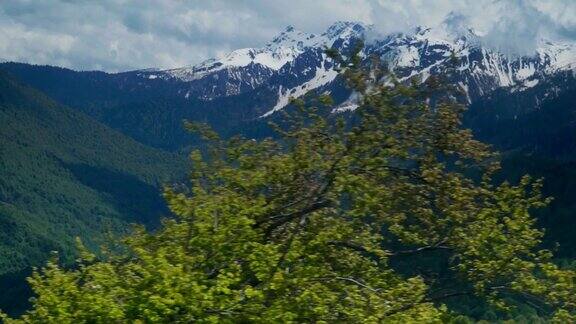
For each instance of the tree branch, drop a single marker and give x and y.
(357, 248)
(419, 250)
(436, 246)
(354, 281)
(283, 219)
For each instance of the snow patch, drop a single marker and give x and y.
(526, 70)
(531, 83)
(407, 56)
(321, 77)
(345, 107)
(350, 104)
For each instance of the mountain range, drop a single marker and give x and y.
(83, 151)
(245, 85)
(294, 62)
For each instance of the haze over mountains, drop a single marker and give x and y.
(67, 135)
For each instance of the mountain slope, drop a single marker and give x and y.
(149, 111)
(537, 137)
(64, 175)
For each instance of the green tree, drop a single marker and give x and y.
(381, 217)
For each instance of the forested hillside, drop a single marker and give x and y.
(147, 110)
(538, 138)
(63, 174)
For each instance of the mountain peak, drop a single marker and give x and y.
(452, 30)
(346, 29)
(290, 36)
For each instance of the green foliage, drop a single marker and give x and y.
(382, 218)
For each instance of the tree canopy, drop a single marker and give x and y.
(383, 216)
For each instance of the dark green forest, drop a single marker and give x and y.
(64, 175)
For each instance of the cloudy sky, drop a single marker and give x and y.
(119, 35)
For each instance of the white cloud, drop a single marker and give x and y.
(127, 34)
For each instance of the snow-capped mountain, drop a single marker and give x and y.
(294, 62)
(291, 64)
(479, 69)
